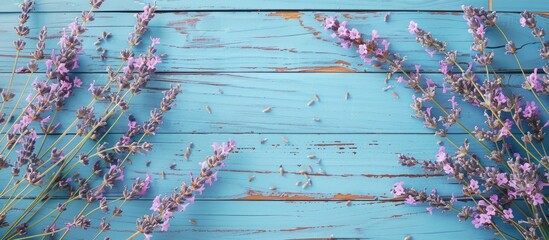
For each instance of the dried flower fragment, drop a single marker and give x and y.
(389, 76)
(387, 88)
(321, 171)
(188, 151)
(105, 35)
(306, 184)
(172, 165)
(386, 17)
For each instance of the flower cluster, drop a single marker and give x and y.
(512, 175)
(164, 207)
(80, 153)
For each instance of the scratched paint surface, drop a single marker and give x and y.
(240, 57)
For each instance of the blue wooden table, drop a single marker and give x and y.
(240, 57)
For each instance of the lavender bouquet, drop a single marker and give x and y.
(46, 159)
(503, 188)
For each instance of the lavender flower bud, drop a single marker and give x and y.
(103, 205)
(19, 44)
(92, 196)
(527, 19)
(15, 171)
(22, 30)
(80, 221)
(538, 32)
(32, 66)
(50, 229)
(147, 147)
(84, 159)
(510, 48)
(33, 177)
(96, 169)
(87, 16)
(96, 3)
(169, 97)
(3, 222)
(544, 52)
(117, 212)
(4, 163)
(484, 59)
(465, 213)
(115, 173)
(104, 225)
(408, 161)
(126, 54)
(40, 45)
(22, 228)
(61, 207)
(146, 224)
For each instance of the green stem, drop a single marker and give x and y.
(522, 70)
(19, 98)
(11, 79)
(46, 133)
(42, 234)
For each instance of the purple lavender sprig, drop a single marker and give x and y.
(464, 166)
(539, 84)
(142, 25)
(22, 31)
(489, 95)
(115, 171)
(164, 207)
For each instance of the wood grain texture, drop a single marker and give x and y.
(170, 5)
(239, 109)
(352, 166)
(531, 5)
(228, 42)
(240, 57)
(293, 220)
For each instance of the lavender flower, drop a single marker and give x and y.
(514, 177)
(141, 27)
(164, 207)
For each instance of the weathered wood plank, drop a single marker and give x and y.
(352, 166)
(291, 220)
(167, 5)
(531, 5)
(239, 109)
(276, 42)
